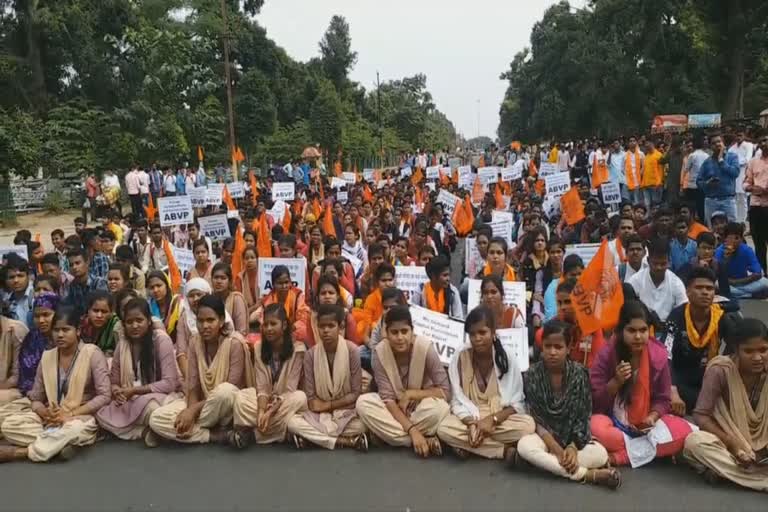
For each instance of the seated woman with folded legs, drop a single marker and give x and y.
(218, 367)
(488, 406)
(631, 389)
(262, 412)
(143, 375)
(333, 382)
(413, 388)
(558, 397)
(71, 385)
(732, 412)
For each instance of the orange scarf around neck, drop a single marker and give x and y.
(641, 393)
(509, 272)
(435, 299)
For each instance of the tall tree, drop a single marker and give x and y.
(336, 49)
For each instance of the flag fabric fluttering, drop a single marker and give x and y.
(150, 209)
(573, 209)
(598, 295)
(263, 238)
(328, 227)
(174, 273)
(237, 253)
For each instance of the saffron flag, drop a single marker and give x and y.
(237, 253)
(598, 295)
(328, 228)
(174, 273)
(463, 217)
(263, 238)
(254, 189)
(228, 200)
(150, 209)
(570, 204)
(499, 198)
(200, 154)
(417, 176)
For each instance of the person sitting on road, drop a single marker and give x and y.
(744, 271)
(413, 388)
(506, 316)
(438, 294)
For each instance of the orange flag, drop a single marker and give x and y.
(237, 253)
(287, 220)
(499, 198)
(200, 154)
(599, 172)
(328, 227)
(316, 208)
(254, 190)
(228, 199)
(173, 268)
(532, 170)
(367, 195)
(478, 194)
(417, 176)
(570, 204)
(239, 156)
(463, 217)
(322, 189)
(598, 295)
(150, 209)
(418, 197)
(263, 238)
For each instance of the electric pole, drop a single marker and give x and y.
(228, 79)
(381, 131)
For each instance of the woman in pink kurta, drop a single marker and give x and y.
(234, 302)
(143, 373)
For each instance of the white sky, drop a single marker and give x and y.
(462, 47)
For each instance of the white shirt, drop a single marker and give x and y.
(563, 160)
(636, 173)
(662, 299)
(745, 151)
(631, 271)
(143, 182)
(170, 183)
(111, 181)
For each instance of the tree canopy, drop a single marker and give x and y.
(98, 84)
(610, 67)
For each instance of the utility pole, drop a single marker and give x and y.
(381, 130)
(228, 79)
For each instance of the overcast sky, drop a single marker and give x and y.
(462, 47)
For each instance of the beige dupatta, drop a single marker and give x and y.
(333, 387)
(491, 397)
(416, 366)
(263, 373)
(218, 371)
(737, 418)
(77, 377)
(124, 355)
(250, 300)
(10, 335)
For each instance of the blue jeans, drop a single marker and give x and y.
(726, 205)
(754, 290)
(632, 196)
(652, 195)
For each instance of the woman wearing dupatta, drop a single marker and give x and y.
(203, 265)
(219, 366)
(488, 414)
(162, 302)
(194, 290)
(234, 302)
(143, 374)
(292, 299)
(12, 332)
(247, 282)
(537, 272)
(263, 411)
(631, 387)
(497, 261)
(506, 316)
(328, 291)
(558, 396)
(413, 386)
(98, 324)
(732, 411)
(333, 383)
(71, 385)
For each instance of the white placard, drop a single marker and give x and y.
(611, 193)
(410, 279)
(357, 263)
(214, 194)
(517, 341)
(448, 201)
(405, 172)
(21, 250)
(338, 182)
(445, 171)
(514, 294)
(175, 210)
(198, 196)
(214, 227)
(236, 189)
(473, 262)
(432, 186)
(551, 206)
(585, 251)
(278, 211)
(283, 191)
(466, 181)
(488, 175)
(511, 173)
(368, 174)
(433, 172)
(501, 215)
(445, 334)
(454, 163)
(185, 259)
(547, 169)
(465, 170)
(296, 266)
(503, 228)
(342, 196)
(233, 214)
(558, 184)
(349, 177)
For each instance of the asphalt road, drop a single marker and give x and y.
(126, 476)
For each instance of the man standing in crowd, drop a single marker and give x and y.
(169, 182)
(653, 175)
(744, 150)
(91, 193)
(132, 186)
(756, 183)
(143, 190)
(717, 180)
(633, 170)
(692, 193)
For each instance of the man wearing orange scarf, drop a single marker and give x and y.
(438, 294)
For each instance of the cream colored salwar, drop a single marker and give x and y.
(374, 414)
(532, 449)
(455, 433)
(8, 409)
(246, 414)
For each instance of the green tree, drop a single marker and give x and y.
(326, 119)
(256, 114)
(336, 50)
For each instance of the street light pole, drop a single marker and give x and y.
(228, 79)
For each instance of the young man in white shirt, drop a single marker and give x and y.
(745, 151)
(636, 260)
(657, 286)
